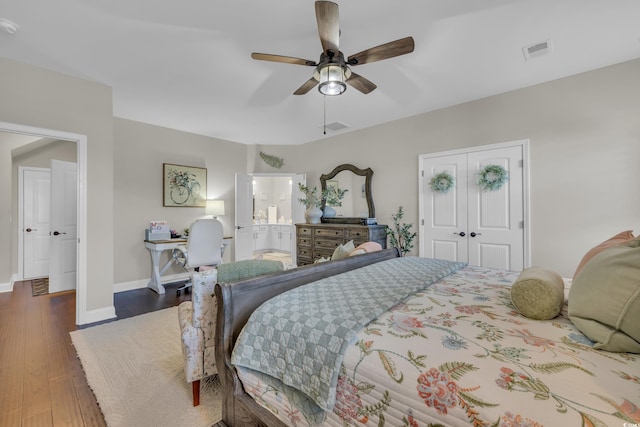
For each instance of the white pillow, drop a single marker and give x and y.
(343, 251)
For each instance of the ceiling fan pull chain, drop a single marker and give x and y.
(324, 104)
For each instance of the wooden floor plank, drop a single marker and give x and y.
(37, 398)
(42, 382)
(65, 409)
(42, 419)
(12, 418)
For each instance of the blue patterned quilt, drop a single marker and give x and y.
(299, 337)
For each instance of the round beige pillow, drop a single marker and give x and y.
(538, 294)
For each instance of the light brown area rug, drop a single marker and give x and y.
(135, 368)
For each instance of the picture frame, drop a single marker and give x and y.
(184, 186)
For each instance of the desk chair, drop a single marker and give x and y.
(204, 247)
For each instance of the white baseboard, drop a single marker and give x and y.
(8, 287)
(92, 316)
(142, 283)
(129, 286)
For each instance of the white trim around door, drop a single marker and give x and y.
(82, 317)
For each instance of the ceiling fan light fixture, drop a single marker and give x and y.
(331, 78)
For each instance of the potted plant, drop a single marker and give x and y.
(400, 235)
(311, 202)
(332, 196)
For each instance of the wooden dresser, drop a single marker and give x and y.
(315, 241)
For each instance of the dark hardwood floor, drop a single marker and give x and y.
(41, 379)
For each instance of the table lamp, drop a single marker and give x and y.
(214, 208)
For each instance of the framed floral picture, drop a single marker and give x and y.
(184, 186)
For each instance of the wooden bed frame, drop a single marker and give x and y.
(236, 302)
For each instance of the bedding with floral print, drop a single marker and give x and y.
(459, 354)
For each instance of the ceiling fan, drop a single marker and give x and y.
(333, 70)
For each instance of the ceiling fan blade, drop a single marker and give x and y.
(384, 51)
(328, 19)
(306, 87)
(280, 58)
(360, 83)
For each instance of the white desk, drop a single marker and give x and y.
(156, 247)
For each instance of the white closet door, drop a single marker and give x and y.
(495, 218)
(483, 228)
(446, 213)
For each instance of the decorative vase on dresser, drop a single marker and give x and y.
(315, 241)
(313, 215)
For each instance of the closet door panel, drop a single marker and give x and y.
(496, 238)
(445, 213)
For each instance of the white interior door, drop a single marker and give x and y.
(63, 241)
(297, 212)
(35, 186)
(244, 217)
(446, 213)
(484, 228)
(495, 220)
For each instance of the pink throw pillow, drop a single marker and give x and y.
(619, 238)
(370, 247)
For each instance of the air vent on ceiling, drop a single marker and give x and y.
(538, 49)
(335, 126)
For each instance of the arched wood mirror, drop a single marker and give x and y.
(357, 203)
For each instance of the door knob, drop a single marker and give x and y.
(461, 234)
(56, 233)
(474, 234)
(29, 230)
(238, 227)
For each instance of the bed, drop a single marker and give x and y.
(454, 352)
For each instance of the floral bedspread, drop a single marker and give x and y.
(459, 354)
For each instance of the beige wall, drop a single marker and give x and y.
(140, 150)
(35, 97)
(584, 134)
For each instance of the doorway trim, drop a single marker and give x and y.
(81, 160)
(526, 186)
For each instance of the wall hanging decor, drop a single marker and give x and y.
(492, 177)
(442, 182)
(184, 186)
(271, 160)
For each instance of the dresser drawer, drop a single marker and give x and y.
(330, 232)
(358, 242)
(304, 241)
(303, 261)
(304, 231)
(361, 235)
(303, 252)
(319, 242)
(322, 253)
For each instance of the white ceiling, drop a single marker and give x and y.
(186, 64)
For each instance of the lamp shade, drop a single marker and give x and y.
(214, 207)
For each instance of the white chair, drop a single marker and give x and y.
(203, 248)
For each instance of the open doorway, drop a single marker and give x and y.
(46, 213)
(267, 208)
(81, 209)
